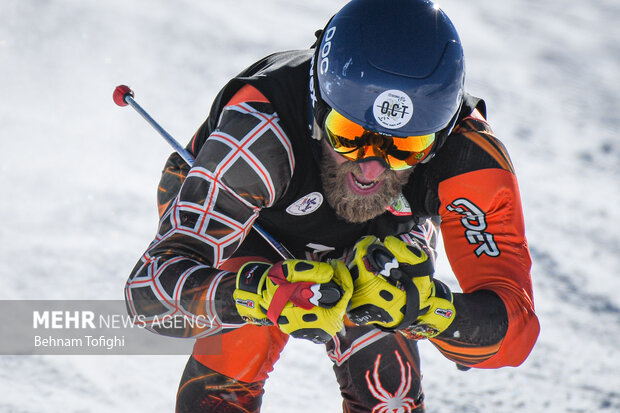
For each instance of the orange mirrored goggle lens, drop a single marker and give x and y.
(354, 143)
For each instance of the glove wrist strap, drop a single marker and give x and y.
(412, 303)
(280, 298)
(285, 292)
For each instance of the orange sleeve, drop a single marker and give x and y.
(484, 237)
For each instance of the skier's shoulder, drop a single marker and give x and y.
(276, 63)
(472, 145)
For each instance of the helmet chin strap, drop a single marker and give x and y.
(443, 134)
(317, 134)
(317, 137)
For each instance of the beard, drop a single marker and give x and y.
(353, 207)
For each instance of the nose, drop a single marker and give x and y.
(371, 169)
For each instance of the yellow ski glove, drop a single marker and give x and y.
(395, 289)
(306, 299)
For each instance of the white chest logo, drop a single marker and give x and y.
(393, 109)
(306, 205)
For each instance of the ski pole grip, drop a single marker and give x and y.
(120, 94)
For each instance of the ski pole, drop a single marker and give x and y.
(325, 295)
(123, 96)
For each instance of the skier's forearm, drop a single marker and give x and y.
(195, 299)
(481, 319)
(225, 304)
(480, 325)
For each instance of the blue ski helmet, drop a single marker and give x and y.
(395, 67)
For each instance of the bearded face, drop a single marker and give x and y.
(359, 192)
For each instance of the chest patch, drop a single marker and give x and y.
(306, 205)
(400, 207)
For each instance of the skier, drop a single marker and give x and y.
(351, 154)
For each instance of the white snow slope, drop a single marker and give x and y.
(78, 177)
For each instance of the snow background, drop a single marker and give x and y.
(78, 178)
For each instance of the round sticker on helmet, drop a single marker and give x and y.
(393, 109)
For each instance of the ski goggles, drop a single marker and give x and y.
(354, 143)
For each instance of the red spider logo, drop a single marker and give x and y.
(388, 402)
